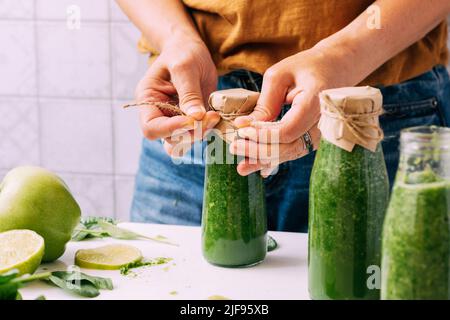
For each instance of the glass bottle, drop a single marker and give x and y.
(349, 193)
(416, 233)
(234, 222)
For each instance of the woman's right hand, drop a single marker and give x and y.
(185, 72)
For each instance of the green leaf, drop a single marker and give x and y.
(83, 288)
(8, 289)
(8, 276)
(101, 227)
(271, 244)
(124, 234)
(41, 297)
(89, 228)
(80, 283)
(73, 276)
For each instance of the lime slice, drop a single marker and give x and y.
(109, 257)
(22, 250)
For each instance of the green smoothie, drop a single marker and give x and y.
(416, 239)
(349, 194)
(234, 223)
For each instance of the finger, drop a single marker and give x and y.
(200, 130)
(277, 153)
(155, 126)
(155, 85)
(246, 167)
(189, 91)
(268, 172)
(176, 150)
(273, 94)
(253, 150)
(302, 115)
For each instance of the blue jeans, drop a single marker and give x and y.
(172, 194)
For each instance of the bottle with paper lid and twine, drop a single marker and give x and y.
(234, 221)
(349, 193)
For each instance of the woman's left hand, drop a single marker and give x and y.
(296, 80)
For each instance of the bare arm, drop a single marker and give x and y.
(343, 59)
(184, 70)
(403, 22)
(160, 20)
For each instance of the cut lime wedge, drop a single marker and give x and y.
(22, 250)
(109, 257)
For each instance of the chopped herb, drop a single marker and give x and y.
(218, 297)
(173, 293)
(125, 270)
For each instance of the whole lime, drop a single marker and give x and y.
(36, 199)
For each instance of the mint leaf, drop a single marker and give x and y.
(271, 244)
(80, 283)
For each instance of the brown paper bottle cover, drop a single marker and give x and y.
(350, 116)
(230, 104)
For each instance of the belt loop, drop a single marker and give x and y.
(437, 70)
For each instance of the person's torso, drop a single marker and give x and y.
(255, 34)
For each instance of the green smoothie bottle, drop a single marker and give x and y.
(234, 221)
(416, 233)
(349, 193)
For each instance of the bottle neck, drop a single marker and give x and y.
(425, 154)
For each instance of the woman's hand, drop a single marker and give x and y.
(185, 72)
(296, 80)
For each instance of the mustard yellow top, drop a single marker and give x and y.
(256, 34)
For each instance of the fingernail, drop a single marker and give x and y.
(195, 111)
(244, 121)
(247, 133)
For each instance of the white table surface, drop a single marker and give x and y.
(283, 275)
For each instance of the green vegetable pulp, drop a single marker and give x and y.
(234, 223)
(349, 194)
(416, 240)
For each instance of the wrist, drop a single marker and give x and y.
(180, 38)
(340, 56)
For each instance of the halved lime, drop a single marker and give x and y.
(22, 250)
(109, 257)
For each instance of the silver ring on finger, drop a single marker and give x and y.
(307, 140)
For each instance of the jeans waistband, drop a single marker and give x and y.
(438, 73)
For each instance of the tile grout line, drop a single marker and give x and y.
(36, 19)
(68, 98)
(111, 88)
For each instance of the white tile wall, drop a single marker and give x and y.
(18, 62)
(127, 135)
(60, 95)
(127, 67)
(88, 9)
(77, 135)
(19, 132)
(16, 9)
(78, 59)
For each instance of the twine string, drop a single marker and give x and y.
(356, 123)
